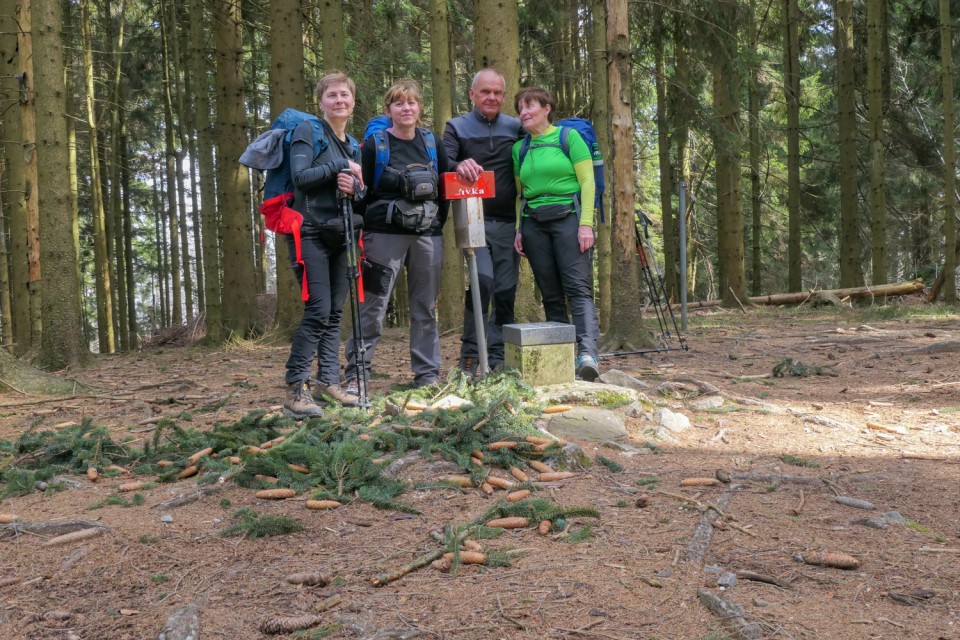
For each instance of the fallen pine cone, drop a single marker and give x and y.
(509, 523)
(130, 486)
(558, 408)
(7, 518)
(92, 474)
(275, 494)
(467, 557)
(540, 467)
(289, 624)
(313, 579)
(544, 527)
(699, 482)
(189, 472)
(555, 475)
(518, 495)
(499, 483)
(830, 559)
(519, 475)
(322, 505)
(192, 460)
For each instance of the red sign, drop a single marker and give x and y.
(456, 188)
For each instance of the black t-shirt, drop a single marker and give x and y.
(402, 153)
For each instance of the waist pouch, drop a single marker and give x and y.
(376, 278)
(418, 182)
(550, 212)
(333, 235)
(418, 217)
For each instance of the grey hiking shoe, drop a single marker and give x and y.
(339, 394)
(587, 368)
(300, 403)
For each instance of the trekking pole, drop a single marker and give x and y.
(353, 275)
(645, 222)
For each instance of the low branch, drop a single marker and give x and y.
(879, 291)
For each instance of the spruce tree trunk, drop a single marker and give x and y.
(625, 330)
(667, 179)
(450, 307)
(236, 225)
(61, 344)
(11, 66)
(117, 119)
(949, 157)
(791, 94)
(209, 214)
(601, 123)
(753, 127)
(123, 158)
(171, 170)
(101, 253)
(851, 271)
(727, 140)
(876, 25)
(332, 35)
(286, 90)
(6, 322)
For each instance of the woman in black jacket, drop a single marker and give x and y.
(318, 177)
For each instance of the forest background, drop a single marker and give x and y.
(815, 140)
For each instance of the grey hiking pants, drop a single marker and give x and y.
(498, 268)
(564, 276)
(385, 254)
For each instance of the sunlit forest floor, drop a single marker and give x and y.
(867, 408)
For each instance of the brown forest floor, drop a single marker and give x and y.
(632, 580)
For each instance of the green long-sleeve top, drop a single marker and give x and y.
(548, 176)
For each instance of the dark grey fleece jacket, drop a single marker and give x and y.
(489, 143)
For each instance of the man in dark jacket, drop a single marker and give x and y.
(482, 141)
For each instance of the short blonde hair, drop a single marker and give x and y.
(332, 78)
(404, 90)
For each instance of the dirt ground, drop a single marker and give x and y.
(884, 428)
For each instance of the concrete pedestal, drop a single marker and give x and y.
(543, 352)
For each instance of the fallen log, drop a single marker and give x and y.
(732, 616)
(879, 291)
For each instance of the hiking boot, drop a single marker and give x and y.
(468, 364)
(587, 368)
(427, 382)
(300, 403)
(339, 394)
(352, 387)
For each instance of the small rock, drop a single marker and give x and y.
(587, 423)
(894, 517)
(40, 485)
(727, 580)
(707, 402)
(621, 379)
(672, 421)
(759, 602)
(873, 523)
(723, 476)
(636, 410)
(166, 518)
(712, 568)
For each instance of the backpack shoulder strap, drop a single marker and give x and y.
(431, 144)
(565, 140)
(524, 147)
(383, 154)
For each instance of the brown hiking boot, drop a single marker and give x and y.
(468, 364)
(300, 403)
(339, 394)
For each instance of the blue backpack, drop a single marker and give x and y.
(377, 128)
(279, 180)
(589, 135)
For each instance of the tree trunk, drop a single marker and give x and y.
(332, 35)
(177, 84)
(791, 94)
(14, 202)
(117, 119)
(753, 127)
(876, 25)
(851, 271)
(601, 124)
(727, 137)
(286, 90)
(239, 275)
(450, 310)
(497, 36)
(21, 377)
(101, 253)
(61, 344)
(667, 179)
(171, 169)
(6, 322)
(123, 158)
(209, 214)
(949, 157)
(625, 330)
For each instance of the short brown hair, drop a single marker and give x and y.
(536, 94)
(332, 78)
(402, 90)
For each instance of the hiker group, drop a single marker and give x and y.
(322, 185)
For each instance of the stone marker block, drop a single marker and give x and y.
(543, 352)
